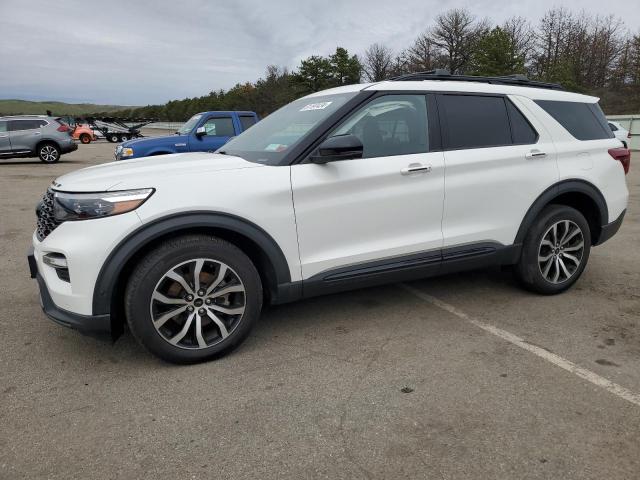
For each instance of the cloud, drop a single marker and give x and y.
(136, 53)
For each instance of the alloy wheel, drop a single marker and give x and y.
(49, 153)
(198, 303)
(560, 252)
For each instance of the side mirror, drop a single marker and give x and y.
(340, 147)
(200, 131)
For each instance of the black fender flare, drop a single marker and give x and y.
(135, 241)
(565, 186)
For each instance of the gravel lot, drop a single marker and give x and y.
(318, 390)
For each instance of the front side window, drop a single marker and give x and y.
(522, 133)
(3, 126)
(474, 121)
(269, 140)
(584, 121)
(389, 125)
(219, 127)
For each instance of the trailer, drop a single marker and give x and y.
(118, 130)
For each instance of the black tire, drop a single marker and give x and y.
(113, 138)
(85, 138)
(530, 272)
(148, 274)
(124, 138)
(49, 152)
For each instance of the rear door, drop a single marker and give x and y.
(383, 207)
(25, 134)
(498, 160)
(218, 130)
(5, 142)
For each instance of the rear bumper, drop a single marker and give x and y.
(69, 148)
(610, 229)
(94, 325)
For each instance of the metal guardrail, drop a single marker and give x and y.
(631, 123)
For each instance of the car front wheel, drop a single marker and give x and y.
(193, 298)
(555, 251)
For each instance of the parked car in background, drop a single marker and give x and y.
(35, 136)
(84, 133)
(204, 132)
(338, 190)
(621, 133)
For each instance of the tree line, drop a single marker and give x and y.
(586, 53)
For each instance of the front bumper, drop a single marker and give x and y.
(94, 325)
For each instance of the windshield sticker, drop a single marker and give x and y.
(275, 147)
(315, 106)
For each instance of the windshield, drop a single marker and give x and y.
(187, 127)
(269, 140)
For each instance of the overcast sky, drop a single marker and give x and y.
(142, 52)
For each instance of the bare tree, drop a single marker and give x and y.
(455, 33)
(522, 37)
(423, 54)
(377, 62)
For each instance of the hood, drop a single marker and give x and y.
(145, 172)
(149, 142)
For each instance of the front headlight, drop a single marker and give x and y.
(83, 206)
(126, 152)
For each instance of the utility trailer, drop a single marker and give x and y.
(117, 130)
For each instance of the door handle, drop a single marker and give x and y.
(535, 154)
(415, 168)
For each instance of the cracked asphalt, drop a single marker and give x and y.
(368, 384)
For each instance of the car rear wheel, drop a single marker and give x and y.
(85, 138)
(193, 298)
(49, 153)
(555, 251)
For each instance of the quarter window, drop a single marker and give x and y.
(389, 125)
(585, 121)
(473, 121)
(219, 127)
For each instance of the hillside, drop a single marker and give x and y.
(25, 107)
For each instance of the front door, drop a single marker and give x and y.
(218, 131)
(384, 206)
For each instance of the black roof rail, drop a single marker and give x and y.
(442, 74)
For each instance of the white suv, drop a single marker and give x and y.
(346, 188)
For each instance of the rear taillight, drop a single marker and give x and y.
(63, 128)
(623, 155)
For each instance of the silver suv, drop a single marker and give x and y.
(35, 136)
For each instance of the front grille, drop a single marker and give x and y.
(46, 221)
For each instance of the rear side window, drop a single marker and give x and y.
(522, 132)
(471, 121)
(613, 127)
(247, 122)
(15, 125)
(585, 121)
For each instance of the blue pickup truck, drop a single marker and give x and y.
(204, 132)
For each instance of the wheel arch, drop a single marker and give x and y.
(43, 141)
(257, 244)
(579, 194)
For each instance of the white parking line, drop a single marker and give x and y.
(557, 360)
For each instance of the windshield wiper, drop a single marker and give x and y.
(222, 152)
